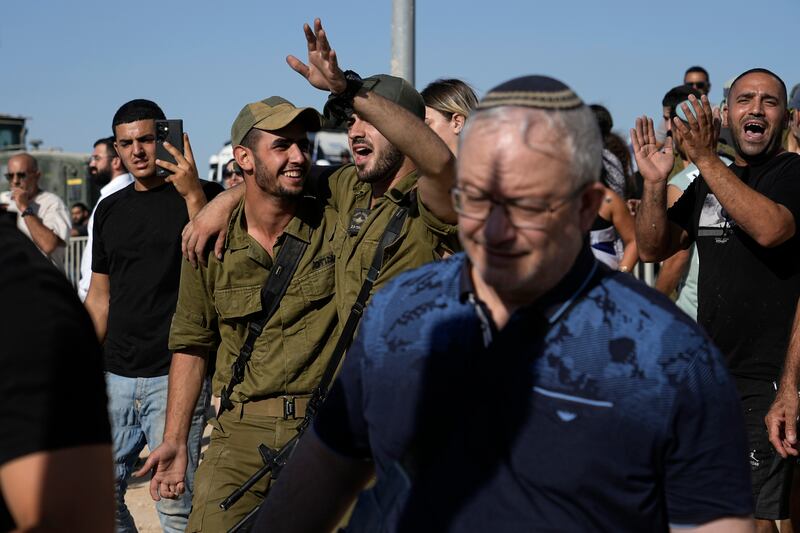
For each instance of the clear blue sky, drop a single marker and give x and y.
(69, 65)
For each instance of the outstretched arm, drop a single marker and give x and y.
(209, 222)
(656, 237)
(434, 160)
(767, 222)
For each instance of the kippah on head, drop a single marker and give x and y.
(139, 109)
(536, 92)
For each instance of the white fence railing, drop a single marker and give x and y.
(72, 262)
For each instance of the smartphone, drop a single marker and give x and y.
(172, 132)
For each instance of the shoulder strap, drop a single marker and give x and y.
(391, 233)
(272, 292)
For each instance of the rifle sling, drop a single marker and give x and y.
(390, 234)
(272, 292)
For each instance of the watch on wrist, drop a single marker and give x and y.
(28, 211)
(340, 105)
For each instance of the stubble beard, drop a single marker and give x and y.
(384, 167)
(262, 177)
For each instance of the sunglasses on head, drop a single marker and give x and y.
(20, 175)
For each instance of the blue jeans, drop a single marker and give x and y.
(138, 409)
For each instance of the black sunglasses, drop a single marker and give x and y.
(698, 84)
(20, 175)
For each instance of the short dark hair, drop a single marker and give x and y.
(761, 71)
(696, 68)
(250, 139)
(108, 142)
(676, 95)
(82, 205)
(604, 119)
(134, 110)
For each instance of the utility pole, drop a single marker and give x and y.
(403, 39)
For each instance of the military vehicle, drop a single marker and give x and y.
(63, 173)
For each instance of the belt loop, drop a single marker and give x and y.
(288, 408)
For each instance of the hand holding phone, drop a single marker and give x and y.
(170, 131)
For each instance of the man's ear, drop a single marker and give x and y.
(590, 200)
(244, 158)
(116, 164)
(457, 122)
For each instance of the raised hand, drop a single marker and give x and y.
(699, 136)
(322, 70)
(654, 163)
(184, 171)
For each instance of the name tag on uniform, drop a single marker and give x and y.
(359, 217)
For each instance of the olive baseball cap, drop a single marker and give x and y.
(392, 88)
(272, 114)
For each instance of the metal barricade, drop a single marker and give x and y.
(72, 261)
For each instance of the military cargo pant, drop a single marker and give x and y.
(231, 458)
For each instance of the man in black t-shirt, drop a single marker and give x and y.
(136, 262)
(743, 219)
(55, 469)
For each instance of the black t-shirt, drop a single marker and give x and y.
(746, 293)
(137, 242)
(51, 376)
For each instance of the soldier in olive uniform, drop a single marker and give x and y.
(216, 302)
(398, 161)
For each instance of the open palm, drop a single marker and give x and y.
(322, 70)
(654, 163)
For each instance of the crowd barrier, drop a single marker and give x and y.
(72, 261)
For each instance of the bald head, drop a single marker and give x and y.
(27, 160)
(23, 173)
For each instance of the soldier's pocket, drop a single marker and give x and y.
(318, 285)
(237, 302)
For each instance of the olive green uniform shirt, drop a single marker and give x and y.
(359, 228)
(216, 303)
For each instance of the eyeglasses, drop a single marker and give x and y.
(20, 175)
(522, 213)
(698, 84)
(228, 173)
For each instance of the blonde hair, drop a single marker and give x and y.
(450, 96)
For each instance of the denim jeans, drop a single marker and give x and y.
(138, 409)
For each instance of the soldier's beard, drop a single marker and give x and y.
(383, 167)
